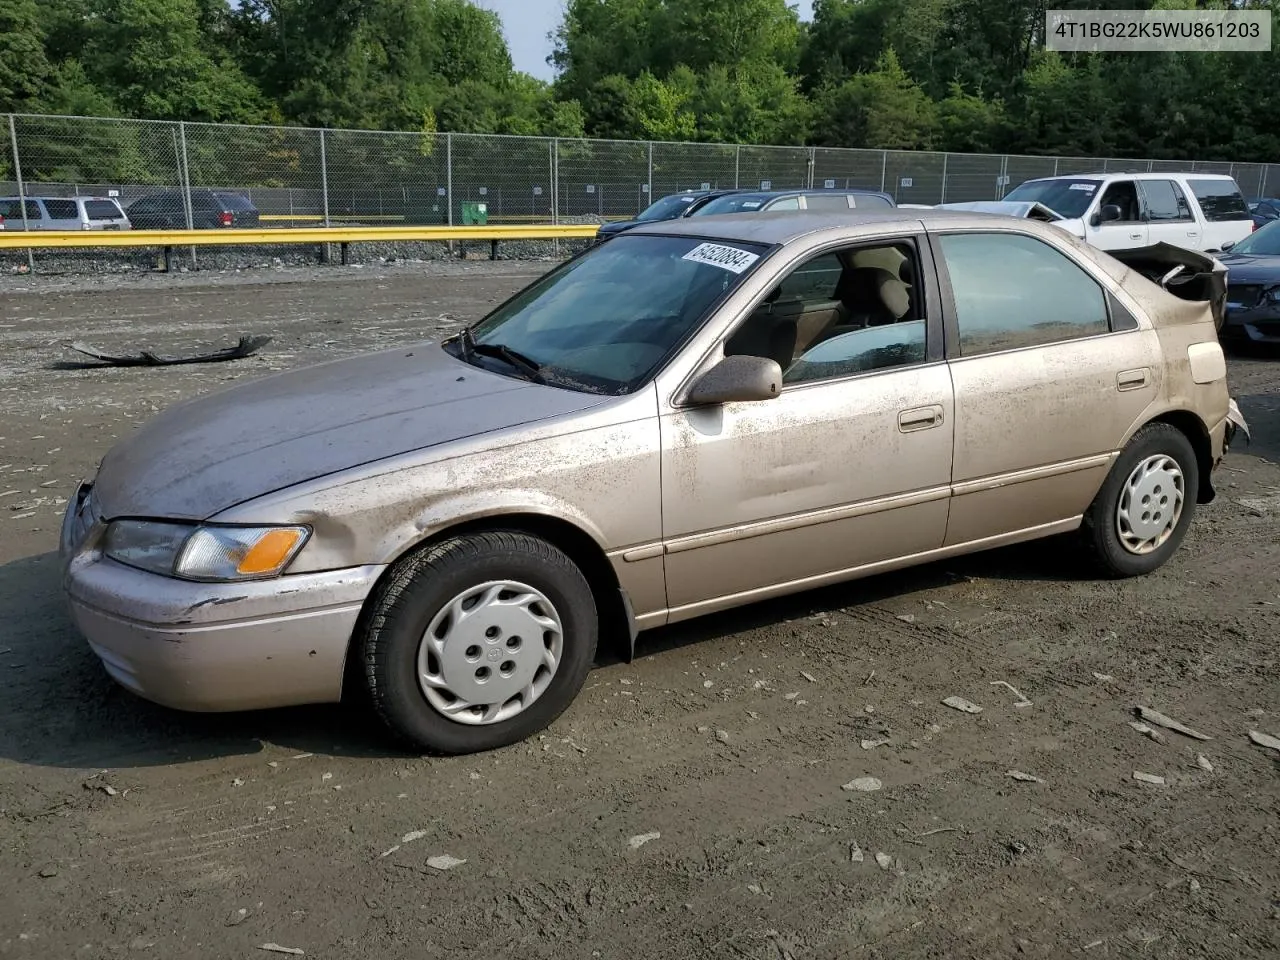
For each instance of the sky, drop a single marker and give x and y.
(526, 24)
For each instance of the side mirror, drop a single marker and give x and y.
(1108, 213)
(738, 379)
(1228, 245)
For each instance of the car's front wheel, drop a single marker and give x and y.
(478, 641)
(1142, 512)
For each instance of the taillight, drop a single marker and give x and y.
(1255, 227)
(226, 219)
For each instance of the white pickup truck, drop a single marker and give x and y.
(1121, 211)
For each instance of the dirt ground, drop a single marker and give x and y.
(127, 829)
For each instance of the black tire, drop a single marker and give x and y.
(416, 589)
(1102, 539)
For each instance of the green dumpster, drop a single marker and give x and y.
(474, 214)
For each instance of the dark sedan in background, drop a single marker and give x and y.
(672, 207)
(1263, 210)
(210, 210)
(1253, 287)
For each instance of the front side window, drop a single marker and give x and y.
(605, 322)
(1014, 291)
(731, 203)
(1220, 200)
(839, 314)
(1165, 201)
(1122, 194)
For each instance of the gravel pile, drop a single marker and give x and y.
(77, 261)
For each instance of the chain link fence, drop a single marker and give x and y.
(297, 177)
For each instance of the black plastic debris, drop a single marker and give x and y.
(146, 358)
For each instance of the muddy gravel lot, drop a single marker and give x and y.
(690, 804)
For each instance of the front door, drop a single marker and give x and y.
(1130, 230)
(849, 467)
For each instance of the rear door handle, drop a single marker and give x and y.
(1132, 379)
(1135, 236)
(920, 418)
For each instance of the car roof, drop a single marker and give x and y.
(1134, 175)
(781, 228)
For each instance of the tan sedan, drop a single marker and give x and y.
(691, 416)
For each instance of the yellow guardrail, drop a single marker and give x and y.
(496, 218)
(21, 240)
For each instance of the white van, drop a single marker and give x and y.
(1118, 211)
(64, 213)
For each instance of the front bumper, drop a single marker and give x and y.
(210, 647)
(1257, 324)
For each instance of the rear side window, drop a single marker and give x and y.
(1014, 291)
(101, 210)
(62, 209)
(870, 201)
(827, 201)
(1220, 199)
(1165, 200)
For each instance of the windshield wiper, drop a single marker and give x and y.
(511, 358)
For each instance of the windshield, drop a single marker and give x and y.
(668, 208)
(1069, 198)
(1263, 242)
(604, 322)
(731, 203)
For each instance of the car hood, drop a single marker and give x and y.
(204, 456)
(617, 226)
(1243, 268)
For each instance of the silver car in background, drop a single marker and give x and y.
(63, 213)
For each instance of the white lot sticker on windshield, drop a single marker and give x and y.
(730, 258)
(1089, 187)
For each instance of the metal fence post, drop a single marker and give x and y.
(1055, 165)
(884, 168)
(186, 182)
(737, 168)
(650, 175)
(553, 172)
(324, 179)
(944, 177)
(813, 162)
(448, 176)
(1262, 179)
(22, 193)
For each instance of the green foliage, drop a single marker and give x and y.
(965, 75)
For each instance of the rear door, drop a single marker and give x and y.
(1050, 373)
(1170, 216)
(1223, 209)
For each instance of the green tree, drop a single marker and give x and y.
(25, 72)
(883, 108)
(153, 58)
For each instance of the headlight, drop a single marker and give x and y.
(208, 553)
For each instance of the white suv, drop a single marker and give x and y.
(1118, 211)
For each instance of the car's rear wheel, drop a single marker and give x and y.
(478, 641)
(1142, 512)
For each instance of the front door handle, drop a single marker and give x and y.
(920, 418)
(1135, 236)
(1132, 379)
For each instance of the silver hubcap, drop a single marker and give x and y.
(1150, 504)
(490, 652)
